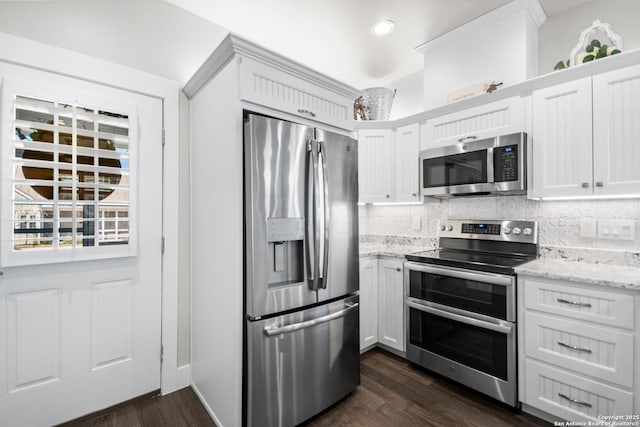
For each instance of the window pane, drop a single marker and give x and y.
(94, 213)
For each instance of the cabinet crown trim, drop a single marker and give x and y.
(233, 46)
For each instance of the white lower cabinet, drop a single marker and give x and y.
(390, 304)
(578, 346)
(381, 303)
(368, 302)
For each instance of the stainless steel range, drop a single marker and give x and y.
(460, 307)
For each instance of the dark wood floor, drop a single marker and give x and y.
(392, 393)
(395, 393)
(179, 409)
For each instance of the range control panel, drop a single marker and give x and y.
(509, 231)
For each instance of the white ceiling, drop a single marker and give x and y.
(172, 38)
(333, 36)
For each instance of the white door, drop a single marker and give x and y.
(80, 246)
(616, 132)
(375, 164)
(562, 140)
(407, 163)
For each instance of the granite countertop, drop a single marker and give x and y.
(396, 251)
(615, 276)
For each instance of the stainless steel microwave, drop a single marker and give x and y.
(489, 166)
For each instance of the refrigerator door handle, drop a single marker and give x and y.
(279, 330)
(323, 253)
(311, 238)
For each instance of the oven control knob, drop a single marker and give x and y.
(507, 230)
(527, 231)
(516, 231)
(442, 228)
(449, 227)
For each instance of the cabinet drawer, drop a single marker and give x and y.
(608, 308)
(572, 397)
(278, 89)
(602, 353)
(485, 121)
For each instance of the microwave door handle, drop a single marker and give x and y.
(503, 329)
(323, 189)
(490, 177)
(310, 215)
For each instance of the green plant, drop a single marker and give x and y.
(561, 65)
(597, 50)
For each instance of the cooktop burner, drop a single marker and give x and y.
(491, 246)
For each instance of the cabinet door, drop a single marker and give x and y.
(616, 132)
(266, 85)
(484, 121)
(368, 302)
(562, 140)
(390, 304)
(375, 161)
(407, 162)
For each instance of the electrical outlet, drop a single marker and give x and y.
(417, 223)
(617, 229)
(589, 228)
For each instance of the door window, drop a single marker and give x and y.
(71, 185)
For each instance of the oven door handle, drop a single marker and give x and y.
(491, 278)
(503, 329)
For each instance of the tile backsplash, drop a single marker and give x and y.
(559, 221)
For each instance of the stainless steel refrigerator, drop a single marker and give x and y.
(301, 271)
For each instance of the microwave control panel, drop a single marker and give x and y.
(505, 163)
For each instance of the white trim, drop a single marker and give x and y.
(536, 13)
(206, 406)
(234, 45)
(37, 55)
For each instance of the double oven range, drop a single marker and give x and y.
(460, 307)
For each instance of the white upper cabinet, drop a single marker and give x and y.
(616, 132)
(407, 163)
(282, 90)
(484, 121)
(585, 136)
(388, 164)
(375, 165)
(561, 140)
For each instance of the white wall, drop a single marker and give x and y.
(560, 33)
(148, 35)
(409, 96)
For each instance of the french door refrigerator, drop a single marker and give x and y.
(301, 271)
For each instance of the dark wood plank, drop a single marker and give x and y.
(392, 392)
(179, 409)
(415, 397)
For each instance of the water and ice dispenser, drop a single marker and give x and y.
(285, 237)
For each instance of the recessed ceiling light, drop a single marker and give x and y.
(382, 28)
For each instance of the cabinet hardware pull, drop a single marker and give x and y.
(579, 304)
(574, 348)
(585, 185)
(388, 196)
(310, 113)
(398, 269)
(577, 402)
(599, 184)
(414, 194)
(468, 138)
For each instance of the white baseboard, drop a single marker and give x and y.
(206, 406)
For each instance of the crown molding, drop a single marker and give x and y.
(233, 46)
